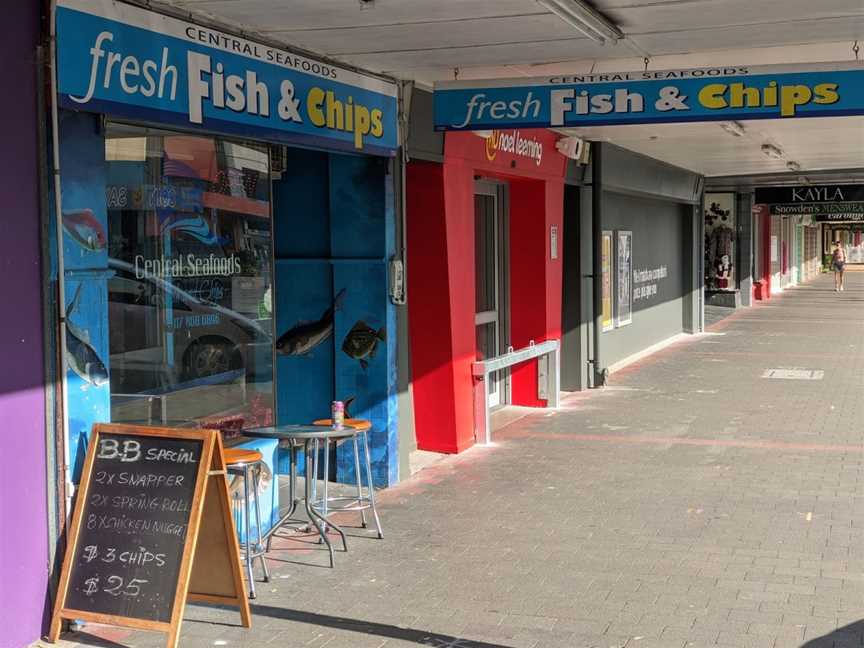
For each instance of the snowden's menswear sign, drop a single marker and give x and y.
(123, 60)
(702, 94)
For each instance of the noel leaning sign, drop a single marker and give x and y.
(701, 94)
(122, 60)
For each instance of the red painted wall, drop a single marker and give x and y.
(762, 280)
(441, 302)
(431, 314)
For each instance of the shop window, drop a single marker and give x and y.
(189, 295)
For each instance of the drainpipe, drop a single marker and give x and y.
(597, 256)
(406, 89)
(61, 269)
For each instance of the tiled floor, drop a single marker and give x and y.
(690, 503)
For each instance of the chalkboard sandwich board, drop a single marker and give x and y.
(151, 529)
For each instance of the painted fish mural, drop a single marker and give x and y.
(80, 354)
(362, 342)
(304, 336)
(85, 229)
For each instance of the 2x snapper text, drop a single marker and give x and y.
(564, 103)
(210, 83)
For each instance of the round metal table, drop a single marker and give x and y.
(292, 437)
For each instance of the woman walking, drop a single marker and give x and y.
(838, 261)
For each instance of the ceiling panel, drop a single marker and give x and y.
(815, 143)
(741, 36)
(507, 54)
(674, 16)
(281, 15)
(453, 33)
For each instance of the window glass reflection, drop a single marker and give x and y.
(190, 300)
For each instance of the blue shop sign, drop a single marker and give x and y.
(126, 61)
(693, 95)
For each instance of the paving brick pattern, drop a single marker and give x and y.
(690, 503)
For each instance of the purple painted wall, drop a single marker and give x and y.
(23, 515)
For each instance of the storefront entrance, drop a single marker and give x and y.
(491, 279)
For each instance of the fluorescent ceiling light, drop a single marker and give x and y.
(772, 151)
(584, 19)
(733, 128)
(792, 165)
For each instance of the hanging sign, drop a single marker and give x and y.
(127, 61)
(687, 95)
(823, 203)
(152, 528)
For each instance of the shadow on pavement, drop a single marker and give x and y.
(847, 636)
(86, 639)
(420, 637)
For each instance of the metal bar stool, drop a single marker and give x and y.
(361, 502)
(247, 464)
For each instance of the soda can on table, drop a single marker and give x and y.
(337, 414)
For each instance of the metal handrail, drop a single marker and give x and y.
(548, 378)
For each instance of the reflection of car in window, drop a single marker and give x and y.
(161, 335)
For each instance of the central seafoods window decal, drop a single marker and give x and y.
(687, 95)
(126, 61)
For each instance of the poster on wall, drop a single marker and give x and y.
(720, 238)
(606, 282)
(624, 305)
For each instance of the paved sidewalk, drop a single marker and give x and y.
(690, 503)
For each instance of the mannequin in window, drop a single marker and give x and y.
(722, 238)
(723, 272)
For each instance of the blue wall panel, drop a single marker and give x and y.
(85, 253)
(347, 200)
(300, 206)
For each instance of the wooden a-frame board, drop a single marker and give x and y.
(210, 567)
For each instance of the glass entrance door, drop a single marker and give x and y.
(490, 277)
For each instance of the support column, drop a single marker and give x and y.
(535, 278)
(441, 306)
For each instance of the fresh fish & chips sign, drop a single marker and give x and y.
(692, 95)
(124, 60)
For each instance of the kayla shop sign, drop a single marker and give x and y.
(821, 202)
(123, 60)
(702, 94)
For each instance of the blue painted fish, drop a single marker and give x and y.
(80, 354)
(305, 336)
(84, 228)
(362, 341)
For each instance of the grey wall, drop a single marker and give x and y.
(744, 225)
(662, 233)
(423, 143)
(573, 335)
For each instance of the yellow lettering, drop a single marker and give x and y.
(826, 93)
(362, 123)
(739, 93)
(769, 95)
(793, 96)
(335, 112)
(377, 123)
(711, 96)
(314, 102)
